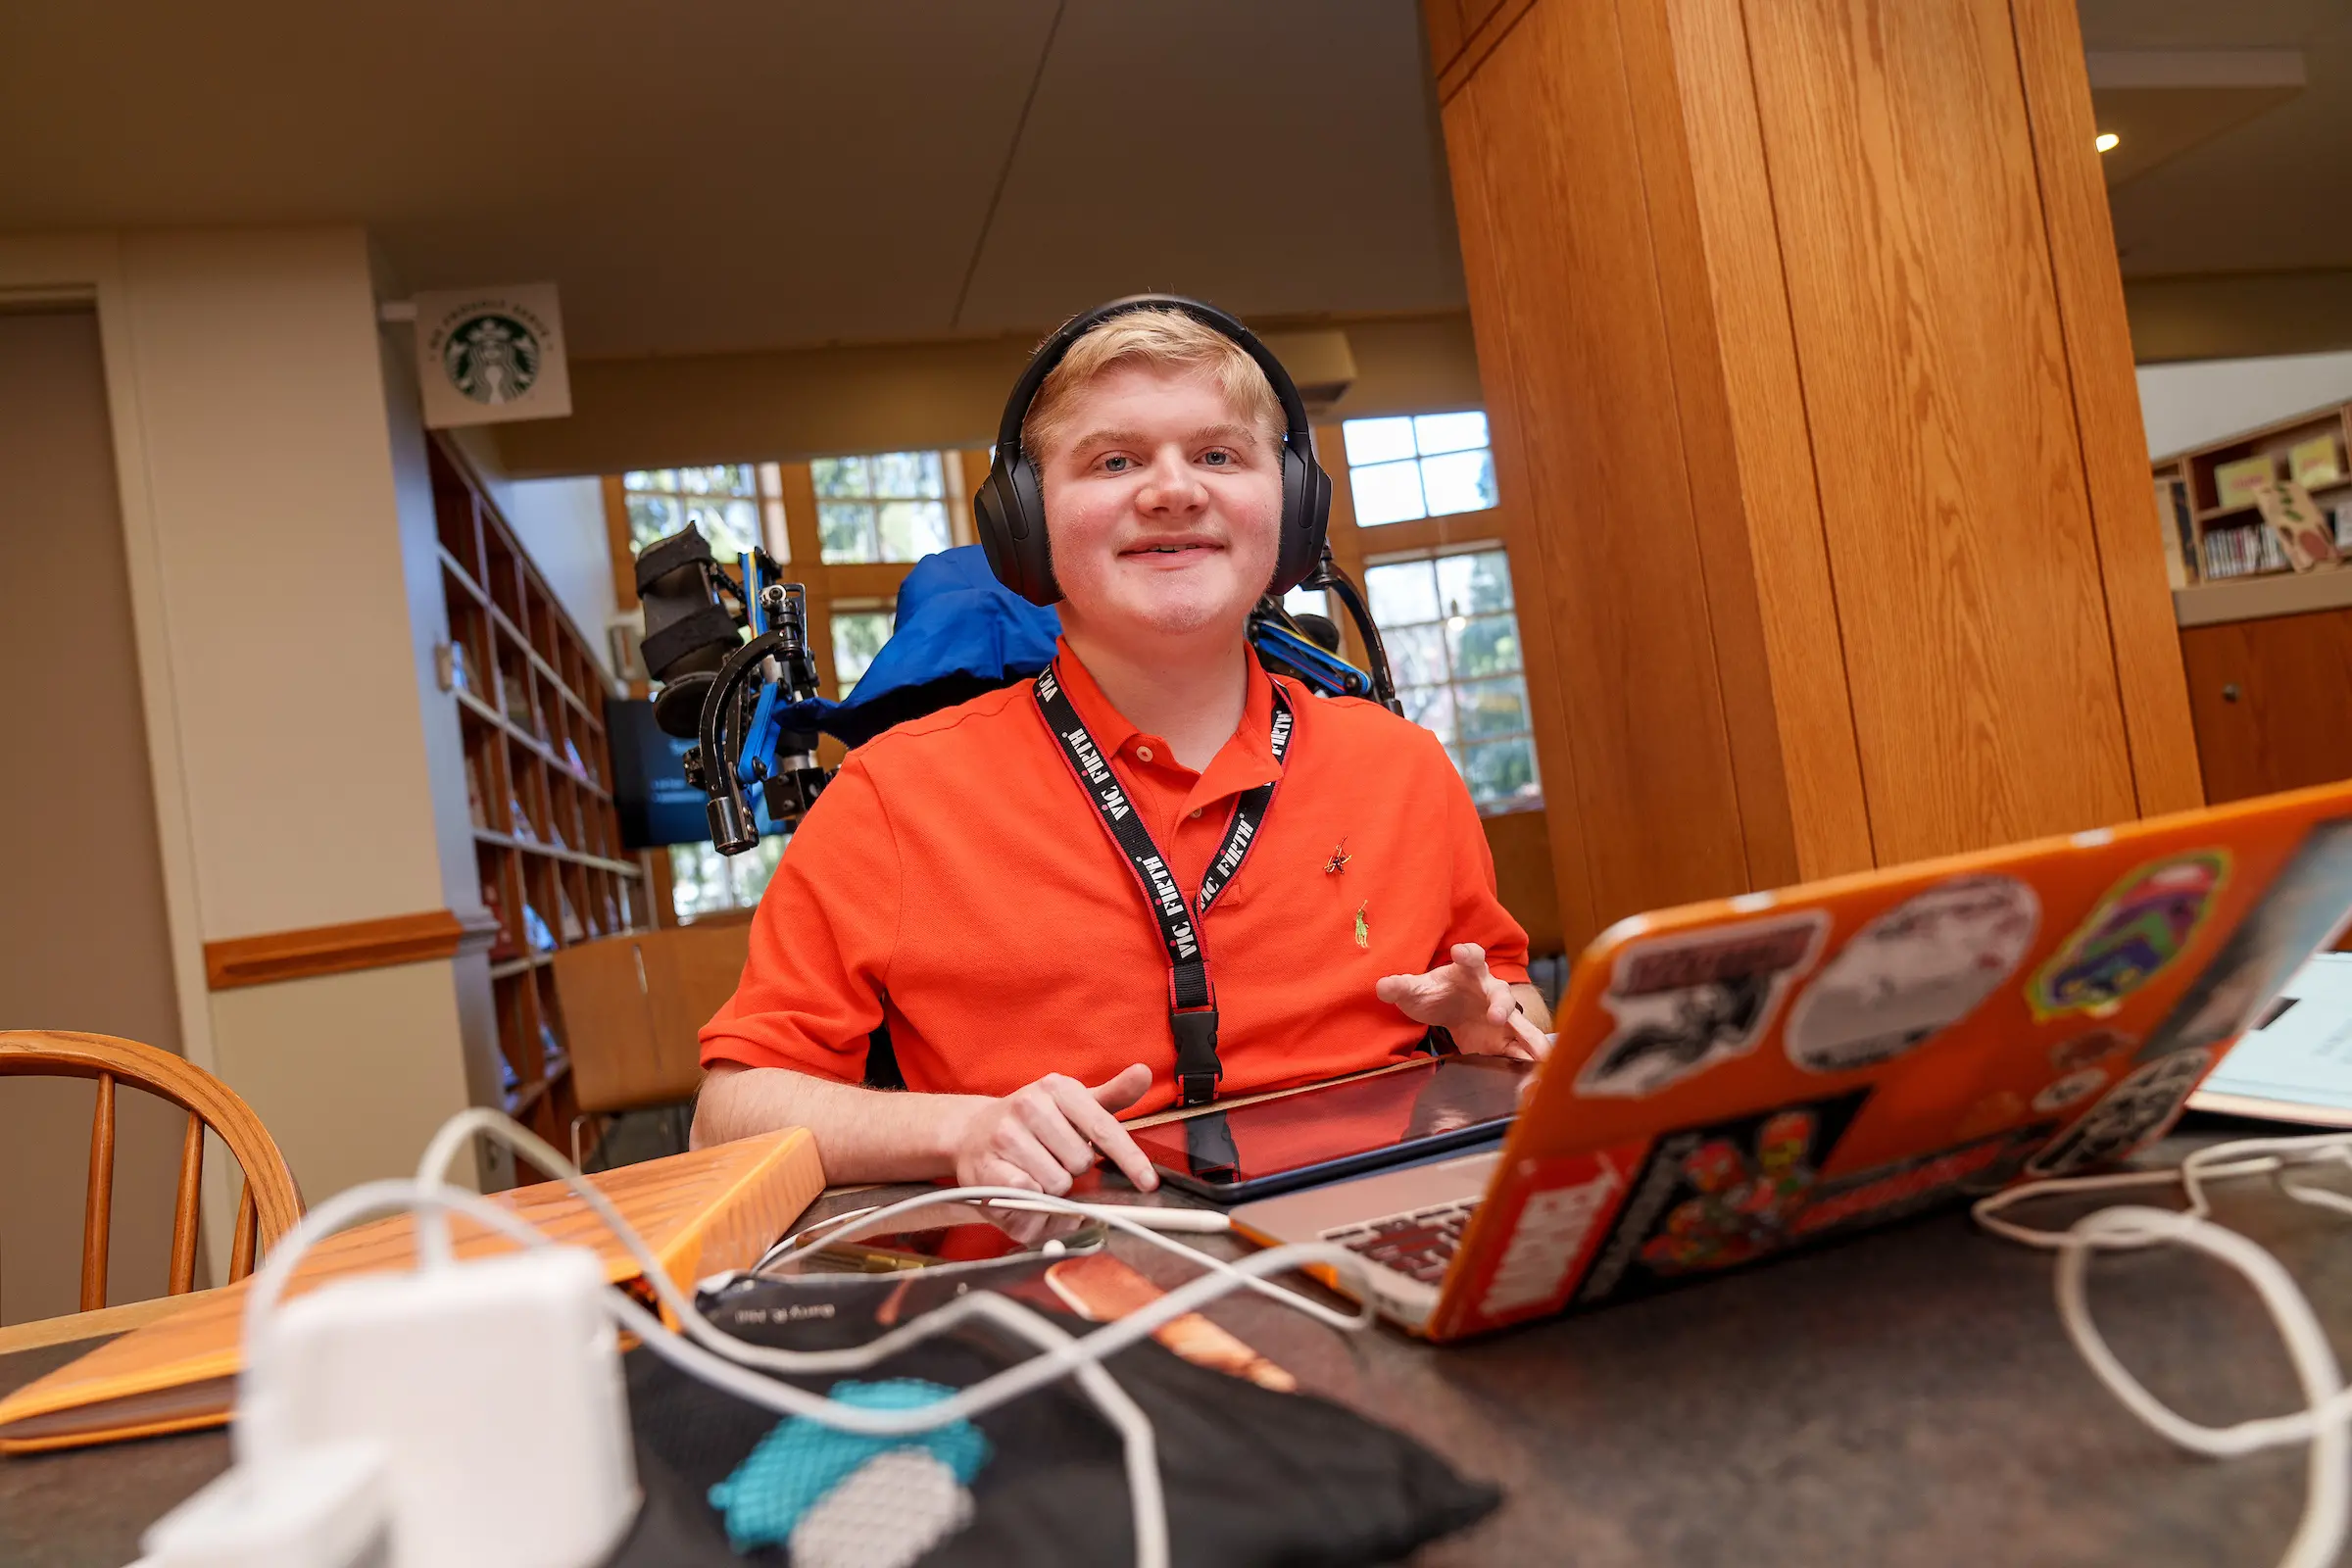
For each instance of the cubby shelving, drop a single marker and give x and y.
(546, 842)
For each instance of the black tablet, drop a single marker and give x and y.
(1341, 1129)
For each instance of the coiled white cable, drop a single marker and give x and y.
(705, 1351)
(2325, 1420)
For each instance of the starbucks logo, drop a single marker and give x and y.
(491, 358)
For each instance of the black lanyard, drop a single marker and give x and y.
(1192, 1002)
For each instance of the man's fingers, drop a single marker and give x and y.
(1087, 1113)
(1018, 1147)
(1117, 1094)
(1471, 957)
(1048, 1120)
(1538, 1042)
(993, 1170)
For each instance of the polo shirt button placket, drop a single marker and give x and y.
(1144, 753)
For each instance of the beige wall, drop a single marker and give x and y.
(87, 943)
(726, 407)
(286, 606)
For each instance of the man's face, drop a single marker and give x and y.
(1165, 509)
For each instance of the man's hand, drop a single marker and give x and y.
(1465, 1000)
(1046, 1133)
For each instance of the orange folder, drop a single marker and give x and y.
(701, 1212)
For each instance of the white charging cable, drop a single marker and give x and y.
(2325, 1420)
(707, 1352)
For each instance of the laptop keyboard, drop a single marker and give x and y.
(1419, 1245)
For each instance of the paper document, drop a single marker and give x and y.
(2296, 1063)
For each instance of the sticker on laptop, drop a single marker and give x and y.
(1915, 970)
(2089, 1050)
(2296, 915)
(1908, 1187)
(2071, 1089)
(1683, 1004)
(1713, 1197)
(2144, 922)
(2139, 1110)
(1564, 1207)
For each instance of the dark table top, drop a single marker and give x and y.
(1907, 1396)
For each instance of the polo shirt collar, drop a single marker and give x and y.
(1246, 759)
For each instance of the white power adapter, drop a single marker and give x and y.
(493, 1391)
(325, 1507)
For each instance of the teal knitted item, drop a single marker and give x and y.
(801, 1461)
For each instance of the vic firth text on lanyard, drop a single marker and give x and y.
(1192, 1001)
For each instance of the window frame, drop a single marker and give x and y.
(1501, 526)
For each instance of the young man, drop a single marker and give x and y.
(956, 878)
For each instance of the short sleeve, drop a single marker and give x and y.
(1478, 915)
(821, 941)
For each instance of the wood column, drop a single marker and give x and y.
(1803, 340)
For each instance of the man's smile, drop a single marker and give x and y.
(1181, 550)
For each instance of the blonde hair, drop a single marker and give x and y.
(1162, 339)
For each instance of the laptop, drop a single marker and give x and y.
(1737, 1078)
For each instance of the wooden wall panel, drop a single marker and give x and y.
(1545, 166)
(1935, 372)
(1515, 482)
(1710, 473)
(1769, 446)
(2106, 398)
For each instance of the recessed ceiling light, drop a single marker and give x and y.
(2108, 141)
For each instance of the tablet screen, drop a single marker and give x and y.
(1444, 1097)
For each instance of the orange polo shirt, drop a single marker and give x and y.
(954, 880)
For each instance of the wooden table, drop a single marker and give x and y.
(1906, 1398)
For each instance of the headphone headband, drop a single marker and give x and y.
(1058, 347)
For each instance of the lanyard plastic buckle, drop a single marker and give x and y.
(1197, 1066)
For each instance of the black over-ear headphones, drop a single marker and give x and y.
(1010, 511)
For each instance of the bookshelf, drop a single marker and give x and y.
(2222, 541)
(547, 843)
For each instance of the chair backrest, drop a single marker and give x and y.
(267, 1207)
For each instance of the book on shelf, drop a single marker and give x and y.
(518, 696)
(2234, 482)
(2179, 533)
(475, 809)
(2243, 552)
(2315, 462)
(2289, 516)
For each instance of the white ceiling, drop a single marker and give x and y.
(2267, 195)
(758, 174)
(742, 174)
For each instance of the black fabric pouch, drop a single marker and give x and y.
(1253, 1477)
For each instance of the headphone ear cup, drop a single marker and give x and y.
(1305, 518)
(1008, 513)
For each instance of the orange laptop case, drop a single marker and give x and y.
(1740, 1077)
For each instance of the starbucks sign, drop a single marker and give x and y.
(491, 354)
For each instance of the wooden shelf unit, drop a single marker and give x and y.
(2191, 474)
(530, 707)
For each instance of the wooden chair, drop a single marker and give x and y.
(271, 1202)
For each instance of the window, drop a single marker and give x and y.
(1423, 466)
(892, 507)
(859, 633)
(732, 502)
(1453, 645)
(704, 881)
